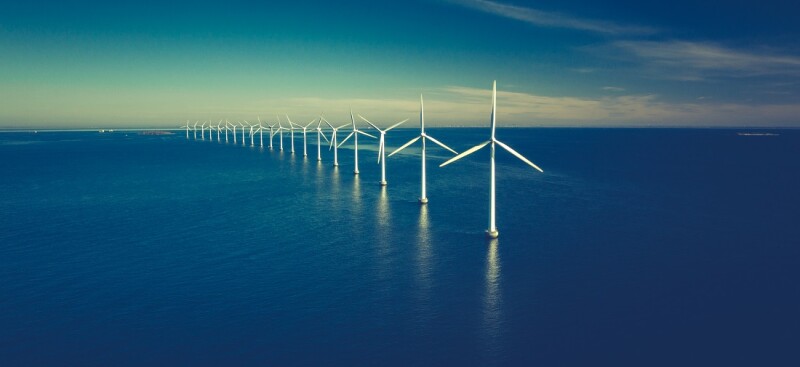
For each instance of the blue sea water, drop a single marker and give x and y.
(636, 247)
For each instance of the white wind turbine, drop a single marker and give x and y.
(260, 131)
(305, 130)
(242, 128)
(354, 134)
(251, 134)
(280, 131)
(226, 130)
(492, 231)
(320, 135)
(234, 133)
(423, 199)
(271, 134)
(194, 129)
(219, 127)
(203, 131)
(210, 131)
(382, 147)
(291, 129)
(333, 142)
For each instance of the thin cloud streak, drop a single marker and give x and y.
(465, 106)
(552, 19)
(687, 60)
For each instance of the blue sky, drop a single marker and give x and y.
(557, 63)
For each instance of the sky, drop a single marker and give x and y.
(114, 64)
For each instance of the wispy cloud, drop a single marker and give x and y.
(701, 60)
(465, 106)
(553, 20)
(613, 89)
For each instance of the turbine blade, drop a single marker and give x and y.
(396, 125)
(323, 136)
(466, 153)
(412, 141)
(380, 150)
(348, 137)
(367, 121)
(514, 152)
(345, 125)
(440, 144)
(363, 133)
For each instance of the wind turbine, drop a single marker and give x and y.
(305, 129)
(251, 134)
(226, 130)
(280, 131)
(242, 125)
(260, 131)
(423, 199)
(219, 127)
(210, 131)
(203, 131)
(354, 134)
(194, 128)
(333, 142)
(271, 134)
(292, 128)
(234, 133)
(382, 146)
(492, 231)
(319, 141)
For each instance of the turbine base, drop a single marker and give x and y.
(423, 200)
(355, 172)
(492, 234)
(382, 183)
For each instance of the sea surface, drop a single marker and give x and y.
(635, 247)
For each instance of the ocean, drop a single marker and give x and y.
(635, 247)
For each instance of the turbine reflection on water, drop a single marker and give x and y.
(423, 274)
(492, 302)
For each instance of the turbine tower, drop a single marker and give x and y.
(234, 133)
(333, 142)
(305, 129)
(423, 199)
(227, 127)
(187, 128)
(280, 131)
(354, 134)
(320, 135)
(194, 128)
(492, 231)
(382, 147)
(271, 134)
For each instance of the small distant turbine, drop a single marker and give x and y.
(333, 142)
(251, 134)
(320, 135)
(234, 133)
(242, 125)
(260, 131)
(280, 131)
(492, 231)
(271, 134)
(187, 128)
(219, 127)
(354, 134)
(305, 130)
(194, 129)
(423, 199)
(203, 131)
(291, 129)
(226, 130)
(382, 147)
